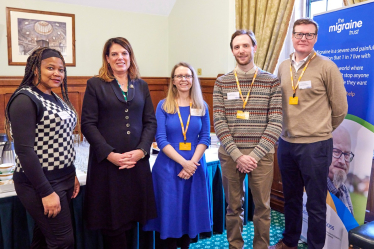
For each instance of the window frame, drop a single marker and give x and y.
(309, 6)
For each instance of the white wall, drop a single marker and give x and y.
(196, 31)
(200, 32)
(148, 35)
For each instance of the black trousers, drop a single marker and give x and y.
(117, 238)
(305, 165)
(51, 233)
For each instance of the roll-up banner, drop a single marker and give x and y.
(346, 36)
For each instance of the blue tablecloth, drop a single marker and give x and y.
(16, 224)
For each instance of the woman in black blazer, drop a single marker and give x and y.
(118, 121)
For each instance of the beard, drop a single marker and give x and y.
(339, 178)
(249, 60)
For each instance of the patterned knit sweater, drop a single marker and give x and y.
(262, 129)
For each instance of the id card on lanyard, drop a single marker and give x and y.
(243, 114)
(295, 100)
(184, 145)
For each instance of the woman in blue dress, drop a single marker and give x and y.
(180, 176)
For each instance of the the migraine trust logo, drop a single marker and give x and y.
(341, 25)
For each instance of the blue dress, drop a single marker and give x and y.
(183, 206)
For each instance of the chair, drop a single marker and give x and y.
(362, 236)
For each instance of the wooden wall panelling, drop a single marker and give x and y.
(158, 88)
(7, 86)
(207, 85)
(276, 194)
(2, 111)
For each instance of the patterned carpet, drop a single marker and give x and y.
(218, 241)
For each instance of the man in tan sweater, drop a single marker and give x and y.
(314, 103)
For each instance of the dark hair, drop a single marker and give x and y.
(244, 32)
(106, 72)
(33, 63)
(302, 21)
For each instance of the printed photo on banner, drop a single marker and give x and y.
(348, 183)
(358, 176)
(350, 201)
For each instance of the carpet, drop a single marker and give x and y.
(218, 241)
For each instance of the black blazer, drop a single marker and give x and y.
(116, 197)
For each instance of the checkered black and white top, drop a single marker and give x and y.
(53, 134)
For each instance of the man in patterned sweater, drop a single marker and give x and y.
(247, 111)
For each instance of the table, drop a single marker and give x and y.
(16, 225)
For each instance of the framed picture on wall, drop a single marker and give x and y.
(28, 30)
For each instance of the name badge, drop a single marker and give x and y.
(294, 101)
(184, 146)
(63, 115)
(305, 84)
(232, 95)
(242, 115)
(196, 112)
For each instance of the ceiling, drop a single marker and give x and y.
(155, 7)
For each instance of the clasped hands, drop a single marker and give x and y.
(126, 160)
(189, 168)
(246, 164)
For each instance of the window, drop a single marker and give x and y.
(317, 6)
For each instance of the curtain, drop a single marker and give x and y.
(269, 20)
(351, 2)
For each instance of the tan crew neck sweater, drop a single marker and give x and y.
(320, 108)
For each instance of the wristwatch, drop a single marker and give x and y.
(145, 152)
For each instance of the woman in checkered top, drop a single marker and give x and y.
(42, 125)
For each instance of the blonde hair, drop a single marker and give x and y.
(196, 95)
(106, 72)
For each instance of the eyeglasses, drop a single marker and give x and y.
(180, 76)
(348, 156)
(308, 36)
